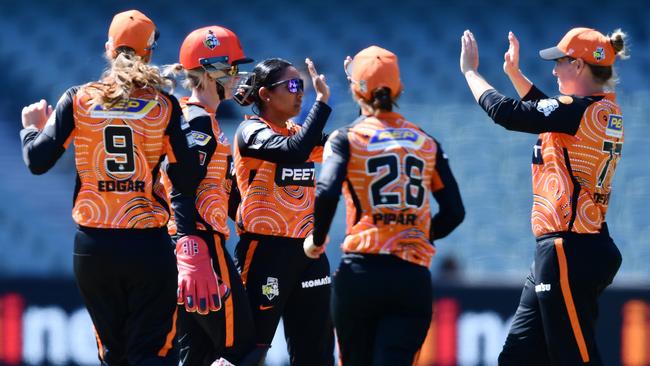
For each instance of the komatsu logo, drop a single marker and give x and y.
(317, 282)
(395, 137)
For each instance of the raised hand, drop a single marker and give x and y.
(511, 57)
(36, 114)
(320, 86)
(468, 53)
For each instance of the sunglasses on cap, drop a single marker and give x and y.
(218, 64)
(293, 85)
(153, 46)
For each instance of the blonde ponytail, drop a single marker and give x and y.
(191, 79)
(127, 72)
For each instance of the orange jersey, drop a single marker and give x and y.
(215, 159)
(579, 145)
(276, 175)
(117, 156)
(391, 173)
(572, 174)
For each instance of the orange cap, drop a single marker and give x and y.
(585, 43)
(210, 42)
(132, 29)
(372, 68)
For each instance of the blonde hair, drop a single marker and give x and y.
(126, 73)
(191, 79)
(606, 75)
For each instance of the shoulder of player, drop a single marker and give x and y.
(250, 128)
(195, 114)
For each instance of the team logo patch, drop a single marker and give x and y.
(128, 109)
(271, 289)
(196, 138)
(614, 126)
(599, 54)
(547, 106)
(210, 40)
(395, 138)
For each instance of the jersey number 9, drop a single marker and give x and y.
(118, 143)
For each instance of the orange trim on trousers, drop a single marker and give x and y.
(225, 277)
(249, 257)
(170, 336)
(568, 300)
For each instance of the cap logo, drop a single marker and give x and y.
(210, 40)
(570, 51)
(363, 86)
(599, 54)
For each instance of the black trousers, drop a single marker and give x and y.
(556, 318)
(381, 307)
(282, 282)
(227, 333)
(127, 279)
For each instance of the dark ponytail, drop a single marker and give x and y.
(381, 99)
(265, 73)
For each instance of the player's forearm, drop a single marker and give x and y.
(477, 84)
(40, 152)
(520, 82)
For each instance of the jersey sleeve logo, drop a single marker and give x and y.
(395, 138)
(614, 126)
(128, 109)
(547, 106)
(196, 138)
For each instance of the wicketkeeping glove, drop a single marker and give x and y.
(199, 287)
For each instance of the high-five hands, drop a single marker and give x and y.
(468, 53)
(320, 86)
(511, 57)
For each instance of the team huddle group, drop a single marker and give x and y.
(157, 180)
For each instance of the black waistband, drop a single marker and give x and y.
(604, 233)
(88, 229)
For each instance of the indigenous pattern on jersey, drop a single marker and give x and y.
(213, 149)
(276, 197)
(578, 148)
(390, 176)
(572, 175)
(118, 152)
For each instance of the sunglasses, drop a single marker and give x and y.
(293, 85)
(214, 65)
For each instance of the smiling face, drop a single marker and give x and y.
(566, 71)
(282, 100)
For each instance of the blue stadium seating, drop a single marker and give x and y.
(61, 45)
